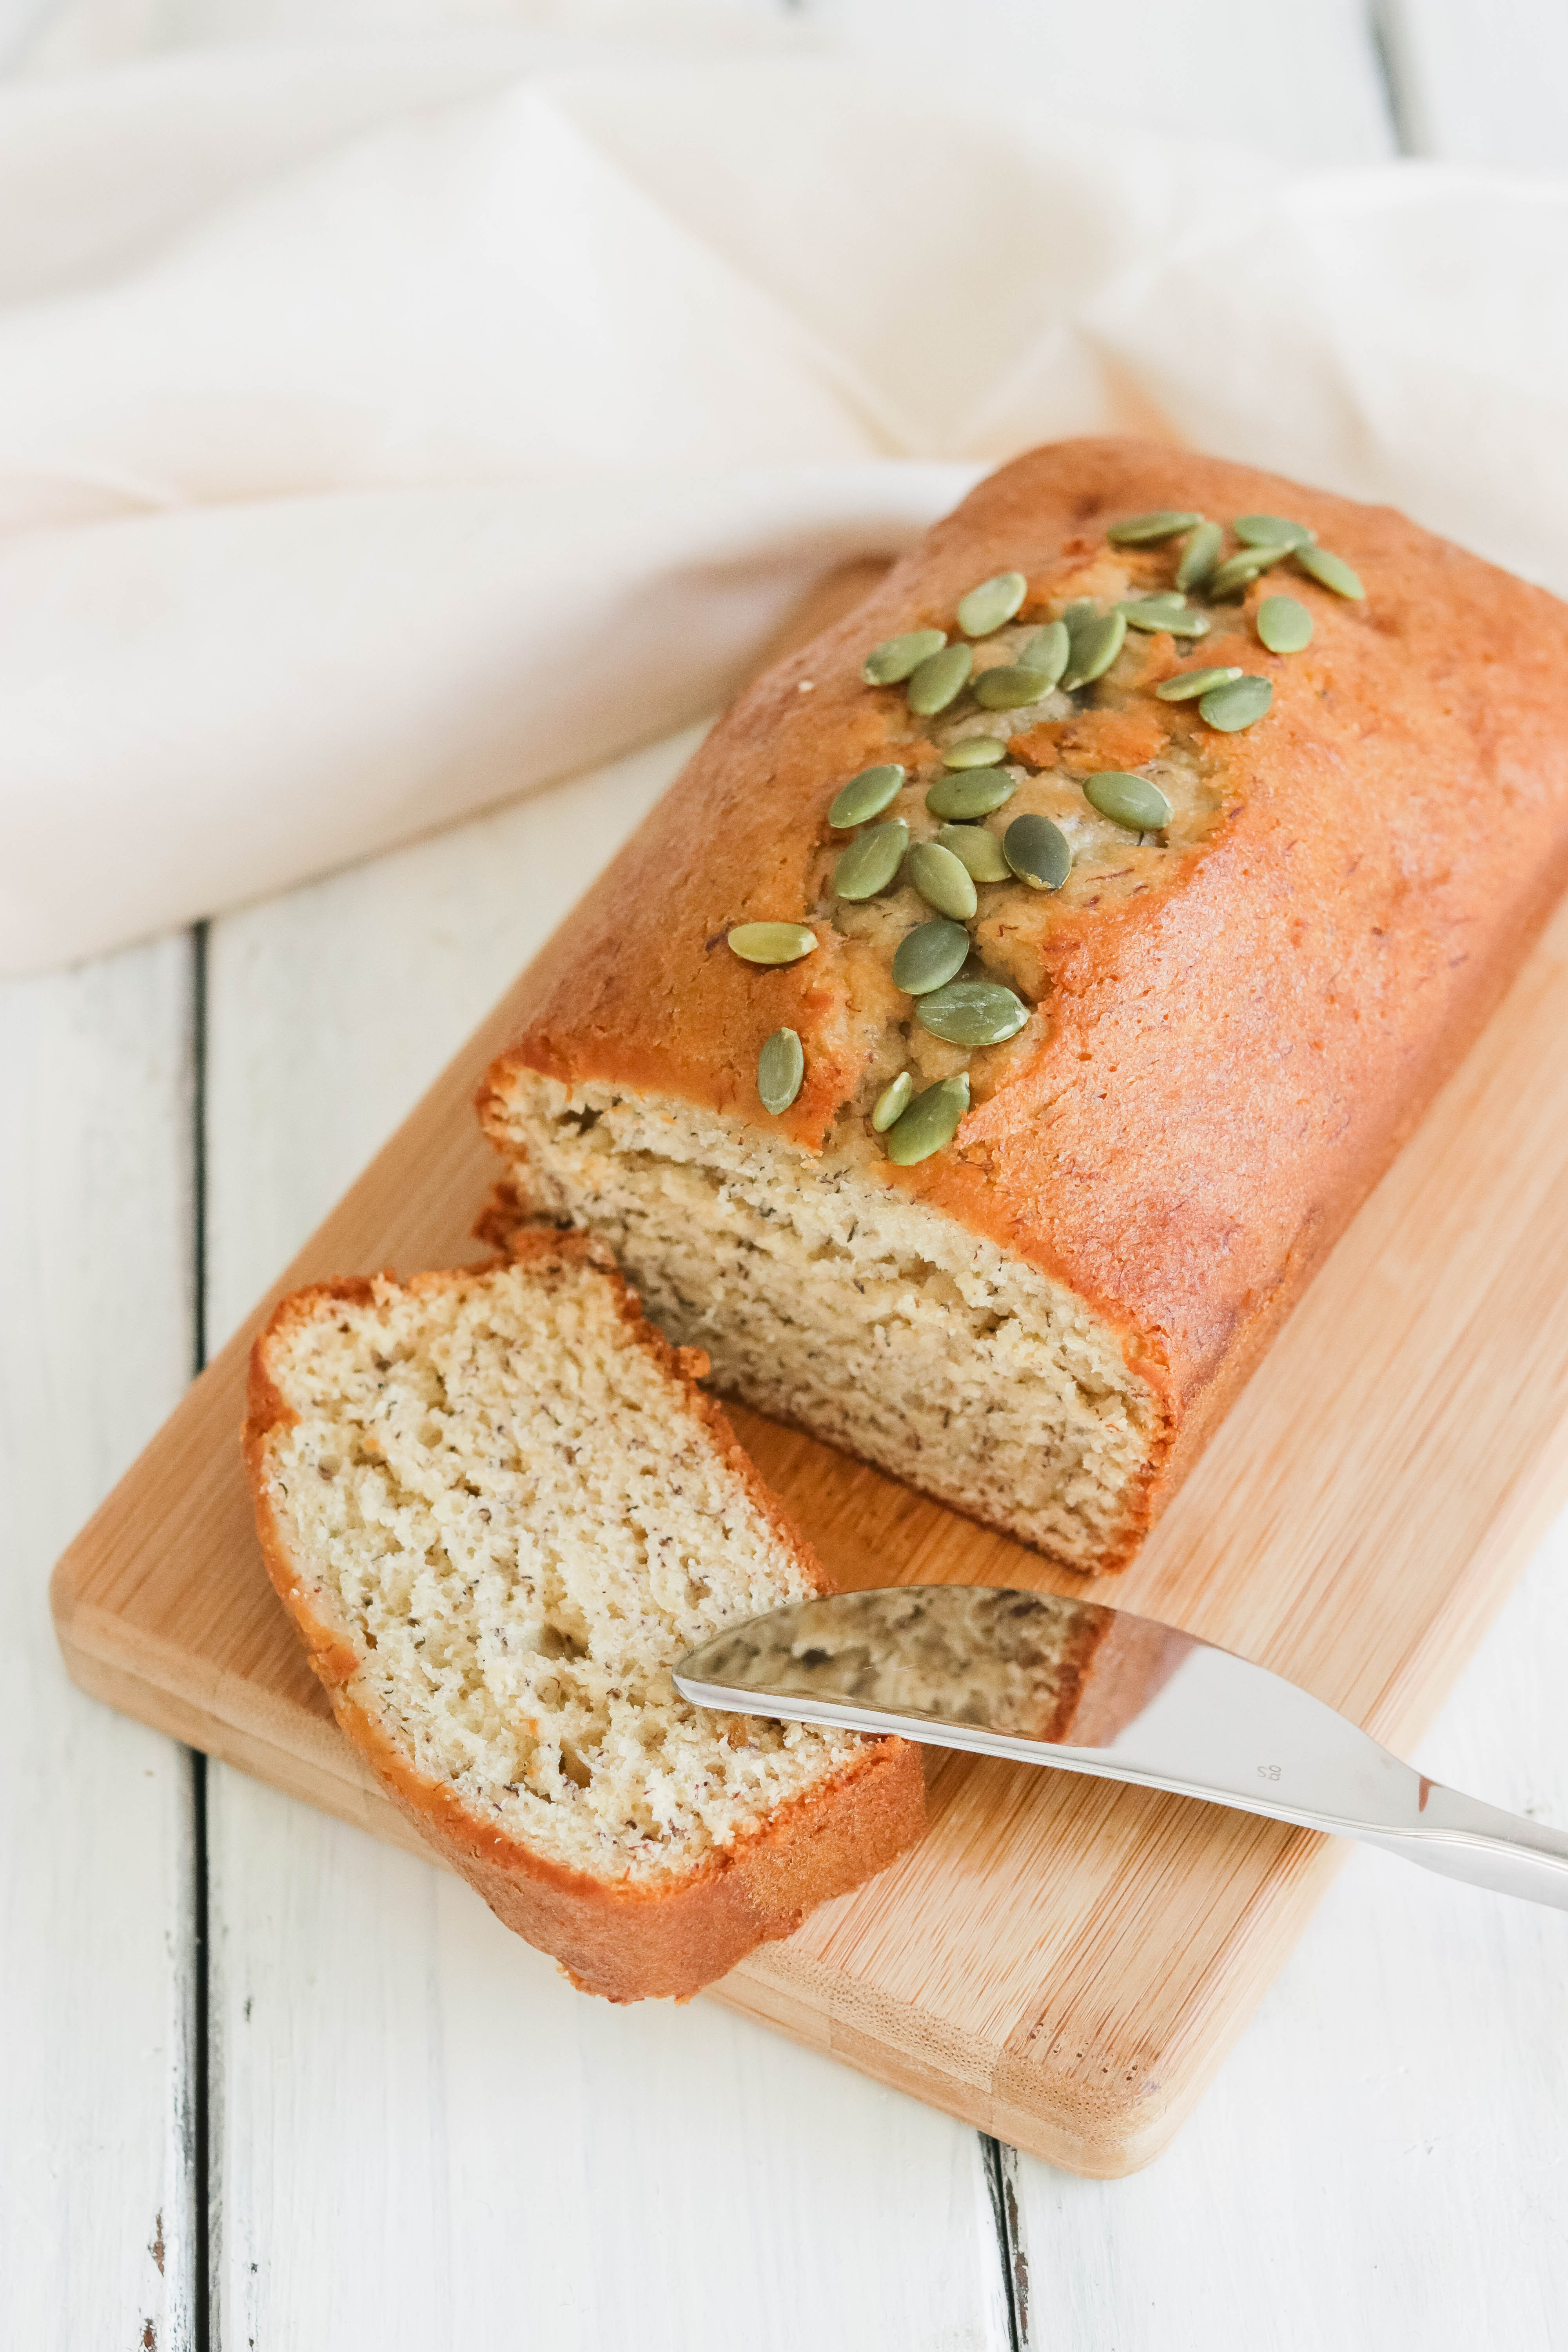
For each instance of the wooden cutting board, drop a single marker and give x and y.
(1063, 1962)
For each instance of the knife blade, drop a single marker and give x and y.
(1041, 1678)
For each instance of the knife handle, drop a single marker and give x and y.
(1465, 1839)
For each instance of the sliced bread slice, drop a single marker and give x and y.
(499, 1509)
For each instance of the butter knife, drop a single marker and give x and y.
(1040, 1678)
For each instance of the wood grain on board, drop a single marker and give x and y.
(1063, 1962)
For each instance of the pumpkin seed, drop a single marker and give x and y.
(1149, 530)
(772, 942)
(866, 795)
(1037, 852)
(1131, 800)
(1081, 609)
(899, 657)
(1047, 651)
(781, 1066)
(975, 752)
(870, 862)
(971, 1012)
(1329, 571)
(929, 956)
(931, 1121)
(891, 1103)
(942, 881)
(975, 794)
(940, 680)
(1272, 530)
(1143, 612)
(1241, 704)
(1229, 578)
(1168, 614)
(1095, 645)
(993, 605)
(1284, 626)
(1199, 555)
(1011, 686)
(1188, 684)
(978, 852)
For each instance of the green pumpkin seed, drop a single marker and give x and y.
(1329, 571)
(1081, 609)
(1229, 578)
(1095, 645)
(993, 605)
(1037, 852)
(891, 1103)
(1011, 686)
(978, 852)
(1272, 530)
(975, 752)
(1199, 555)
(890, 663)
(1188, 684)
(940, 680)
(1047, 651)
(1170, 614)
(1284, 626)
(870, 862)
(1131, 800)
(975, 794)
(1232, 708)
(929, 956)
(942, 880)
(781, 1066)
(1149, 530)
(866, 795)
(930, 1122)
(772, 942)
(971, 1012)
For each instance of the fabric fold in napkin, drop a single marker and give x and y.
(382, 439)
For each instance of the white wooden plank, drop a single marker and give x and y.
(511, 2162)
(1481, 81)
(1300, 83)
(1381, 2161)
(96, 1942)
(395, 2075)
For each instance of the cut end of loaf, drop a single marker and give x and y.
(502, 1511)
(827, 1296)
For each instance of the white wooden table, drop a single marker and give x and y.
(269, 2086)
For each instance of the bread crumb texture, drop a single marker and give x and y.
(827, 1297)
(499, 1487)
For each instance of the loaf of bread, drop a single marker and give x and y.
(499, 1509)
(998, 1163)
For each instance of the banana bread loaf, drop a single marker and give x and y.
(983, 1041)
(498, 1510)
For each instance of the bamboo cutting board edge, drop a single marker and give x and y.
(801, 1997)
(1063, 1964)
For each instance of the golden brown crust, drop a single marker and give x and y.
(1231, 1062)
(628, 1943)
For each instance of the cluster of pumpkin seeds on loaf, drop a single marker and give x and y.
(976, 693)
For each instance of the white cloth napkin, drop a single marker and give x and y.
(386, 429)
